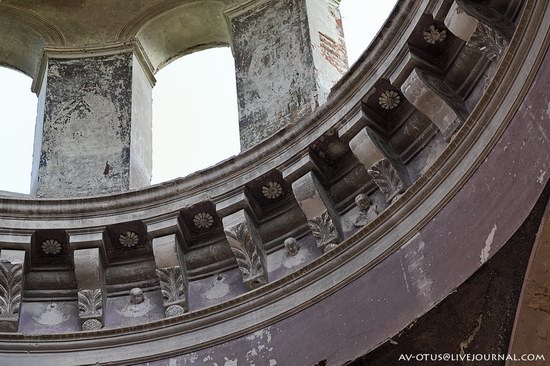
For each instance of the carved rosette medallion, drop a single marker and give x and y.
(203, 220)
(272, 190)
(389, 99)
(247, 255)
(51, 247)
(324, 231)
(129, 239)
(387, 179)
(433, 35)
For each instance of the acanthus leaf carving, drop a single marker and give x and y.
(11, 285)
(324, 231)
(387, 179)
(488, 41)
(90, 303)
(247, 256)
(172, 285)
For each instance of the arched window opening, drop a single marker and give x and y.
(362, 20)
(17, 120)
(195, 117)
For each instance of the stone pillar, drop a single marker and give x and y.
(87, 264)
(321, 215)
(93, 131)
(288, 54)
(11, 288)
(173, 281)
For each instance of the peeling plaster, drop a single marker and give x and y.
(484, 256)
(229, 362)
(218, 290)
(541, 177)
(136, 310)
(52, 316)
(281, 258)
(85, 129)
(417, 269)
(405, 276)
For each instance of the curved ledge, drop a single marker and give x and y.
(492, 154)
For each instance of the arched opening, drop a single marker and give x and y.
(195, 117)
(18, 106)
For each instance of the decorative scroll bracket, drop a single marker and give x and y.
(433, 97)
(319, 211)
(11, 288)
(245, 242)
(387, 179)
(479, 34)
(174, 290)
(90, 295)
(171, 274)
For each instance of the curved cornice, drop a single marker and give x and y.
(52, 35)
(356, 256)
(132, 26)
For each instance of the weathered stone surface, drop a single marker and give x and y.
(89, 302)
(121, 311)
(387, 179)
(93, 132)
(90, 295)
(213, 290)
(434, 98)
(11, 286)
(245, 242)
(322, 217)
(288, 54)
(49, 317)
(173, 286)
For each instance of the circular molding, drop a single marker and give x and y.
(434, 35)
(51, 247)
(128, 239)
(91, 324)
(203, 220)
(389, 99)
(174, 310)
(272, 190)
(52, 35)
